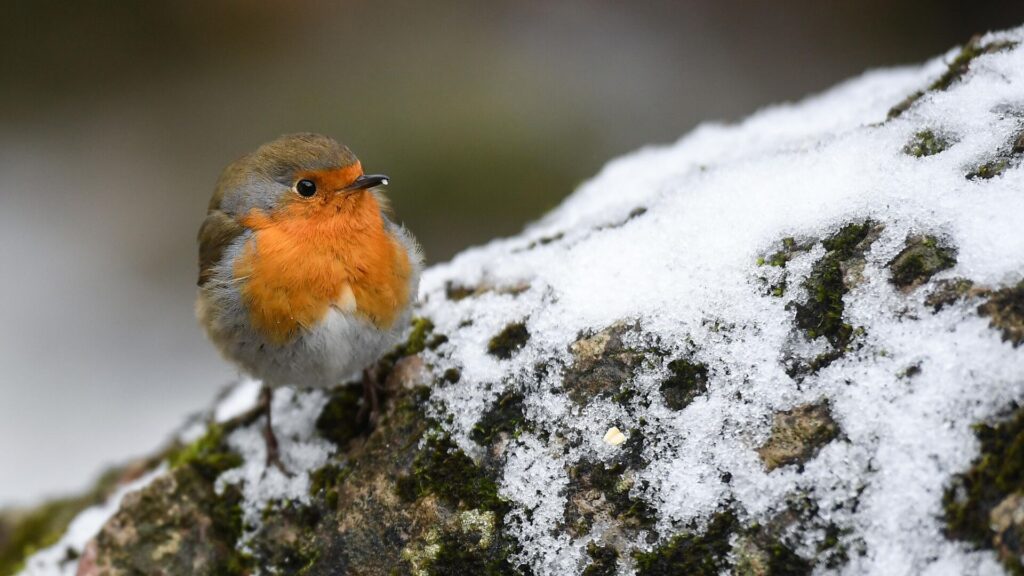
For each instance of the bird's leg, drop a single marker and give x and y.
(269, 438)
(370, 410)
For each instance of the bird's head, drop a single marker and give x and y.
(297, 175)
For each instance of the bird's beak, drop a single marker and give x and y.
(367, 181)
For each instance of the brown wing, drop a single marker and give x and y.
(216, 233)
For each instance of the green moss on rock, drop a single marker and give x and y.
(979, 499)
(26, 532)
(1005, 311)
(988, 170)
(604, 561)
(956, 69)
(507, 342)
(506, 416)
(798, 434)
(209, 455)
(821, 315)
(926, 143)
(445, 471)
(337, 421)
(687, 380)
(921, 258)
(696, 554)
(176, 525)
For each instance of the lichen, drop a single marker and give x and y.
(507, 342)
(996, 474)
(1005, 311)
(602, 364)
(950, 290)
(922, 257)
(692, 553)
(798, 434)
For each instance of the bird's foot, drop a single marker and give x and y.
(369, 412)
(269, 438)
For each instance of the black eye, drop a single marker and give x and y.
(305, 187)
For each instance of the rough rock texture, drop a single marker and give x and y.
(804, 328)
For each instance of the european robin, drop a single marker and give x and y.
(303, 278)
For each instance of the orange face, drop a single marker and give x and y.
(310, 254)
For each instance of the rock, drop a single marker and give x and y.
(1005, 310)
(724, 303)
(797, 435)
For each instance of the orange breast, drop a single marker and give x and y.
(306, 258)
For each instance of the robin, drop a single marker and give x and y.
(303, 279)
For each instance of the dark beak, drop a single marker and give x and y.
(367, 181)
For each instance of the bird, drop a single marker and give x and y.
(304, 278)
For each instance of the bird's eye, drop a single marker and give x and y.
(305, 188)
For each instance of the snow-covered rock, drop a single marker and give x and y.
(804, 328)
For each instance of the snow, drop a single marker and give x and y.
(668, 238)
(715, 201)
(52, 561)
(239, 399)
(294, 415)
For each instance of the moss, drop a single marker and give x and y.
(776, 282)
(997, 473)
(604, 561)
(443, 470)
(988, 170)
(209, 455)
(798, 434)
(40, 528)
(507, 342)
(926, 143)
(603, 489)
(1007, 155)
(506, 415)
(325, 482)
(452, 375)
(1005, 311)
(417, 341)
(175, 525)
(759, 553)
(691, 553)
(956, 69)
(337, 421)
(822, 314)
(921, 258)
(456, 292)
(832, 549)
(687, 381)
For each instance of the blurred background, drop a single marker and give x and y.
(119, 116)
